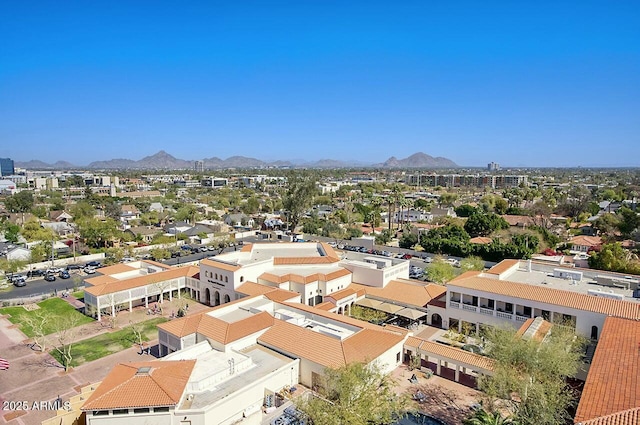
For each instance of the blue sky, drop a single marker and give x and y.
(544, 83)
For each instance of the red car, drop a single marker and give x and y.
(407, 257)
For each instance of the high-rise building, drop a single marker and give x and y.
(6, 167)
(493, 166)
(199, 166)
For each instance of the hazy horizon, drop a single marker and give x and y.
(521, 84)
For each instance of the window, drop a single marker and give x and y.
(226, 279)
(398, 356)
(160, 409)
(241, 278)
(141, 410)
(121, 411)
(100, 413)
(216, 276)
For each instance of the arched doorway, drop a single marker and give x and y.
(594, 332)
(208, 297)
(216, 298)
(227, 298)
(339, 310)
(436, 320)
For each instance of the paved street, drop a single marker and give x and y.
(34, 376)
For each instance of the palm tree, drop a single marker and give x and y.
(482, 417)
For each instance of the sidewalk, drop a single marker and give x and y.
(35, 376)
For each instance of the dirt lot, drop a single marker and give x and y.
(444, 399)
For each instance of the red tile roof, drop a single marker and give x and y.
(128, 386)
(613, 382)
(136, 282)
(453, 353)
(626, 417)
(578, 301)
(404, 291)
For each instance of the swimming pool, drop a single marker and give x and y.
(419, 419)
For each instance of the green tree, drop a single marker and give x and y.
(447, 199)
(11, 231)
(355, 394)
(532, 374)
(82, 209)
(298, 196)
(97, 233)
(440, 272)
(465, 210)
(629, 221)
(483, 224)
(611, 257)
(408, 240)
(472, 263)
(607, 224)
(482, 417)
(21, 202)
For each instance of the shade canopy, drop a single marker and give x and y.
(368, 302)
(389, 308)
(411, 313)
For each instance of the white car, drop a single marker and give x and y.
(89, 270)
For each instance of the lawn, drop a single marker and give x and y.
(105, 344)
(52, 306)
(79, 295)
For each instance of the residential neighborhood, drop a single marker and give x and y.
(320, 213)
(282, 280)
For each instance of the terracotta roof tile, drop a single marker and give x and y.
(613, 382)
(625, 417)
(586, 241)
(453, 353)
(282, 295)
(404, 291)
(578, 301)
(303, 279)
(247, 247)
(219, 264)
(115, 269)
(284, 261)
(126, 386)
(217, 329)
(327, 305)
(328, 351)
(481, 240)
(135, 282)
(502, 266)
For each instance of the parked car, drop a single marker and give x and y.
(128, 259)
(89, 270)
(16, 278)
(20, 283)
(50, 277)
(407, 257)
(34, 273)
(94, 264)
(64, 274)
(74, 266)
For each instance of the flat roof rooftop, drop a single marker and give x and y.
(546, 278)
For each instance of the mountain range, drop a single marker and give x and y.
(164, 161)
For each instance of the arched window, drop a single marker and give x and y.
(227, 299)
(216, 276)
(241, 278)
(226, 279)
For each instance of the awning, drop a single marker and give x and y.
(410, 313)
(389, 308)
(368, 302)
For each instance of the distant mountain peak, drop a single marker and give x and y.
(165, 161)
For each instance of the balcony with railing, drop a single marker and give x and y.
(454, 304)
(470, 307)
(504, 315)
(486, 311)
